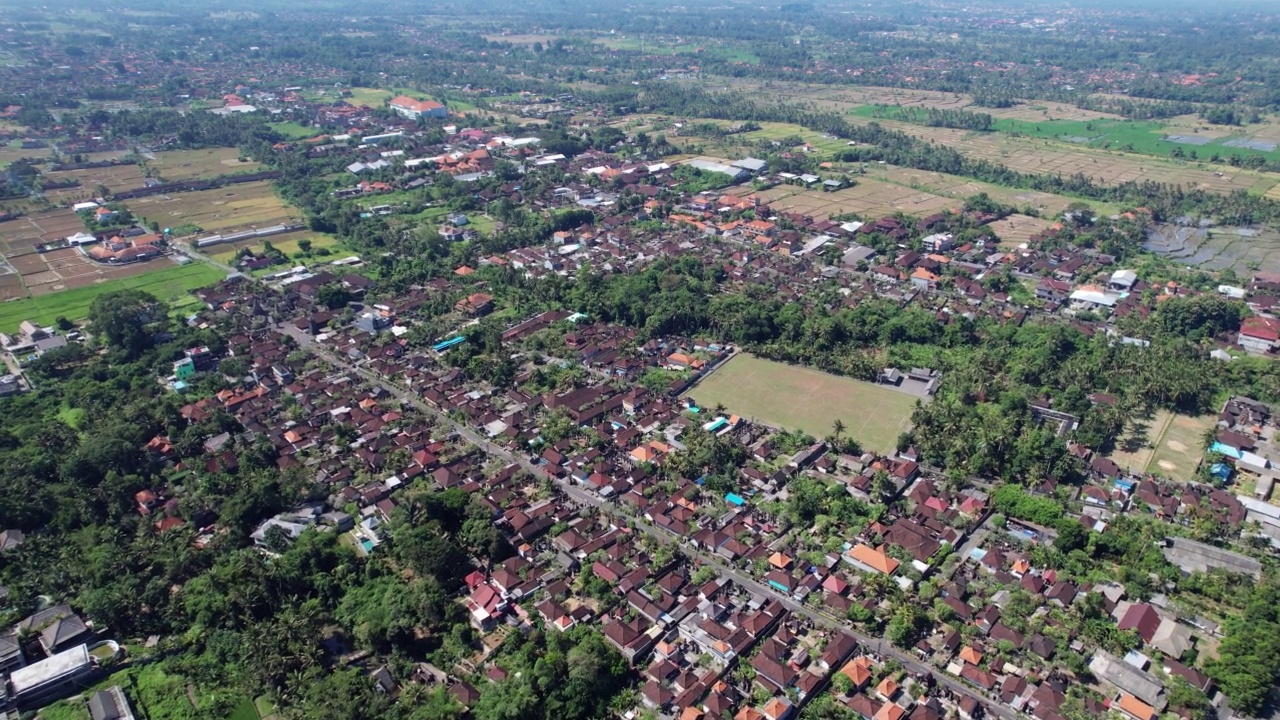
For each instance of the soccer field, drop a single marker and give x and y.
(810, 400)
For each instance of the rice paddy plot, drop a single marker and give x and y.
(1051, 157)
(1189, 139)
(869, 198)
(1217, 248)
(232, 207)
(170, 283)
(1255, 144)
(115, 178)
(843, 98)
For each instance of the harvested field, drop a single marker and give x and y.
(869, 198)
(842, 98)
(10, 153)
(1036, 156)
(179, 165)
(521, 39)
(27, 273)
(63, 269)
(234, 207)
(955, 186)
(22, 235)
(1046, 157)
(1165, 444)
(115, 178)
(11, 287)
(810, 400)
(1017, 229)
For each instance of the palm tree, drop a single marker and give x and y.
(837, 428)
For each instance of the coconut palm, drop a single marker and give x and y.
(837, 428)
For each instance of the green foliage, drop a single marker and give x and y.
(569, 676)
(1013, 501)
(1248, 663)
(934, 117)
(384, 613)
(1199, 316)
(907, 626)
(334, 296)
(128, 320)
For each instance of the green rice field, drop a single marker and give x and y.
(169, 284)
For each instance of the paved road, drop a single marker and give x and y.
(584, 498)
(307, 342)
(181, 249)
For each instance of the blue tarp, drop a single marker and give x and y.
(1220, 470)
(715, 425)
(445, 345)
(1226, 450)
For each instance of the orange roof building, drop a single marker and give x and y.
(858, 672)
(691, 713)
(779, 707)
(1135, 708)
(890, 711)
(874, 558)
(414, 109)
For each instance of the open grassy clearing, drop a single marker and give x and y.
(1179, 450)
(286, 243)
(810, 400)
(234, 207)
(377, 97)
(294, 131)
(170, 283)
(1165, 443)
(179, 165)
